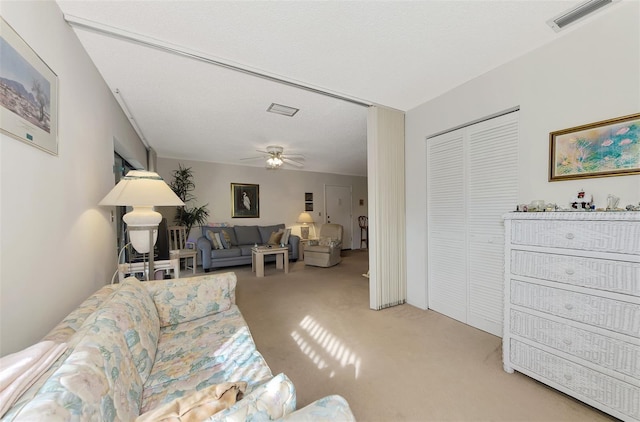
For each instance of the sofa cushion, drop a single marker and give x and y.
(246, 250)
(186, 299)
(98, 380)
(196, 354)
(248, 235)
(207, 230)
(131, 309)
(72, 322)
(226, 253)
(265, 232)
(226, 239)
(275, 238)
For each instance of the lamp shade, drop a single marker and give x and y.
(140, 187)
(305, 218)
(142, 190)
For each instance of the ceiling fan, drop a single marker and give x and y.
(275, 157)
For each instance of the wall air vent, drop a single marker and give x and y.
(282, 109)
(577, 13)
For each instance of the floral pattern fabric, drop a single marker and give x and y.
(329, 409)
(270, 401)
(196, 354)
(149, 343)
(72, 322)
(186, 299)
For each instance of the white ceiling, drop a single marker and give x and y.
(392, 53)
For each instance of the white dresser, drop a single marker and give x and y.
(572, 305)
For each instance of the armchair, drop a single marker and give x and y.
(325, 252)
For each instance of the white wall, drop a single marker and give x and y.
(281, 193)
(590, 73)
(57, 245)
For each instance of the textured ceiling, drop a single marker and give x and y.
(393, 53)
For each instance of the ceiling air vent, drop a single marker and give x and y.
(282, 109)
(579, 12)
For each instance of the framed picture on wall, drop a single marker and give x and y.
(245, 200)
(28, 93)
(607, 148)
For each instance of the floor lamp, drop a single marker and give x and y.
(142, 190)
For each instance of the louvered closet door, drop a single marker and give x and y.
(492, 184)
(471, 182)
(446, 226)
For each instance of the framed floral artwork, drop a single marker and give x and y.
(607, 148)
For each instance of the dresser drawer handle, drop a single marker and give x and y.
(567, 342)
(570, 236)
(568, 377)
(570, 271)
(568, 306)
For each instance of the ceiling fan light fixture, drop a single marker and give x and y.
(577, 13)
(282, 109)
(274, 162)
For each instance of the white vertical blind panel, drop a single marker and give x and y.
(446, 225)
(492, 163)
(387, 227)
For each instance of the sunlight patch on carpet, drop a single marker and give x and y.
(324, 349)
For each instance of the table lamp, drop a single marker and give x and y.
(305, 218)
(142, 190)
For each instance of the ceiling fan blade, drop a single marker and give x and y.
(293, 162)
(252, 158)
(293, 156)
(263, 152)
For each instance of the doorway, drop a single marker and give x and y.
(338, 205)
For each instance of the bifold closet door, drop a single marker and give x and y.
(446, 226)
(472, 181)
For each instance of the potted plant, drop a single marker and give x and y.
(183, 185)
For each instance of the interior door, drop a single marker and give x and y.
(338, 210)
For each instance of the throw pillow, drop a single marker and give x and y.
(197, 406)
(275, 237)
(211, 235)
(324, 241)
(226, 239)
(219, 244)
(285, 236)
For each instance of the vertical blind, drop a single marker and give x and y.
(387, 250)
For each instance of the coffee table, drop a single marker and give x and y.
(257, 258)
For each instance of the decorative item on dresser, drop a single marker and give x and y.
(572, 305)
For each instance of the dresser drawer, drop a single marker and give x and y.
(617, 355)
(602, 236)
(594, 385)
(615, 315)
(602, 274)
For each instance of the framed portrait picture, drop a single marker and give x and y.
(607, 148)
(28, 93)
(245, 200)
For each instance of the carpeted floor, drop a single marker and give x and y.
(400, 364)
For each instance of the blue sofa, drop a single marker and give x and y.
(242, 238)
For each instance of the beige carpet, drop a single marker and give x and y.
(399, 364)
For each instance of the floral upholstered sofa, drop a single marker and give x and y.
(134, 347)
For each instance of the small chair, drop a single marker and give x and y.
(363, 222)
(325, 252)
(179, 246)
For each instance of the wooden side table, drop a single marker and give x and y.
(257, 259)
